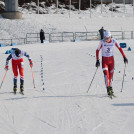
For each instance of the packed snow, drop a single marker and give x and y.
(63, 72)
(70, 21)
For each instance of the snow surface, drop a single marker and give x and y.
(60, 103)
(73, 21)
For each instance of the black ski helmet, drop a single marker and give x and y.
(17, 52)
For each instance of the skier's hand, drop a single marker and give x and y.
(31, 63)
(97, 63)
(125, 60)
(6, 68)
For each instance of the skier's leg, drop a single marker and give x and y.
(15, 71)
(107, 82)
(105, 67)
(106, 75)
(111, 71)
(21, 71)
(111, 76)
(105, 71)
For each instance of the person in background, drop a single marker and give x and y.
(18, 64)
(101, 31)
(42, 36)
(107, 46)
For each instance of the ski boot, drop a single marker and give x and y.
(110, 91)
(22, 89)
(15, 88)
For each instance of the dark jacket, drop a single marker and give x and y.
(42, 36)
(101, 31)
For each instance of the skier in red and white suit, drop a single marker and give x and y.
(107, 46)
(18, 64)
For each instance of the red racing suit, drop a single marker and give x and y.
(17, 63)
(108, 58)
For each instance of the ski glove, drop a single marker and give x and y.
(97, 63)
(6, 68)
(125, 60)
(31, 63)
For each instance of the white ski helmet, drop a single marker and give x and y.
(107, 34)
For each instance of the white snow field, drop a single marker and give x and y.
(51, 23)
(64, 71)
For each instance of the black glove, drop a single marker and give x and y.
(125, 60)
(97, 63)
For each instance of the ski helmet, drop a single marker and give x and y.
(17, 52)
(107, 34)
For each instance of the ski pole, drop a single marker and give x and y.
(92, 79)
(123, 78)
(33, 77)
(3, 79)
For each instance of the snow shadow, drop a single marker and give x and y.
(123, 104)
(71, 96)
(16, 98)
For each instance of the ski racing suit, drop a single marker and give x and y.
(108, 58)
(17, 64)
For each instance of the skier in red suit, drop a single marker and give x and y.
(18, 64)
(107, 46)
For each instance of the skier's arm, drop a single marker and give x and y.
(97, 55)
(27, 55)
(29, 58)
(7, 61)
(120, 49)
(97, 51)
(8, 58)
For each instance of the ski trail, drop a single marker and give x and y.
(99, 125)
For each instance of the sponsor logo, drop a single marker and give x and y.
(108, 45)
